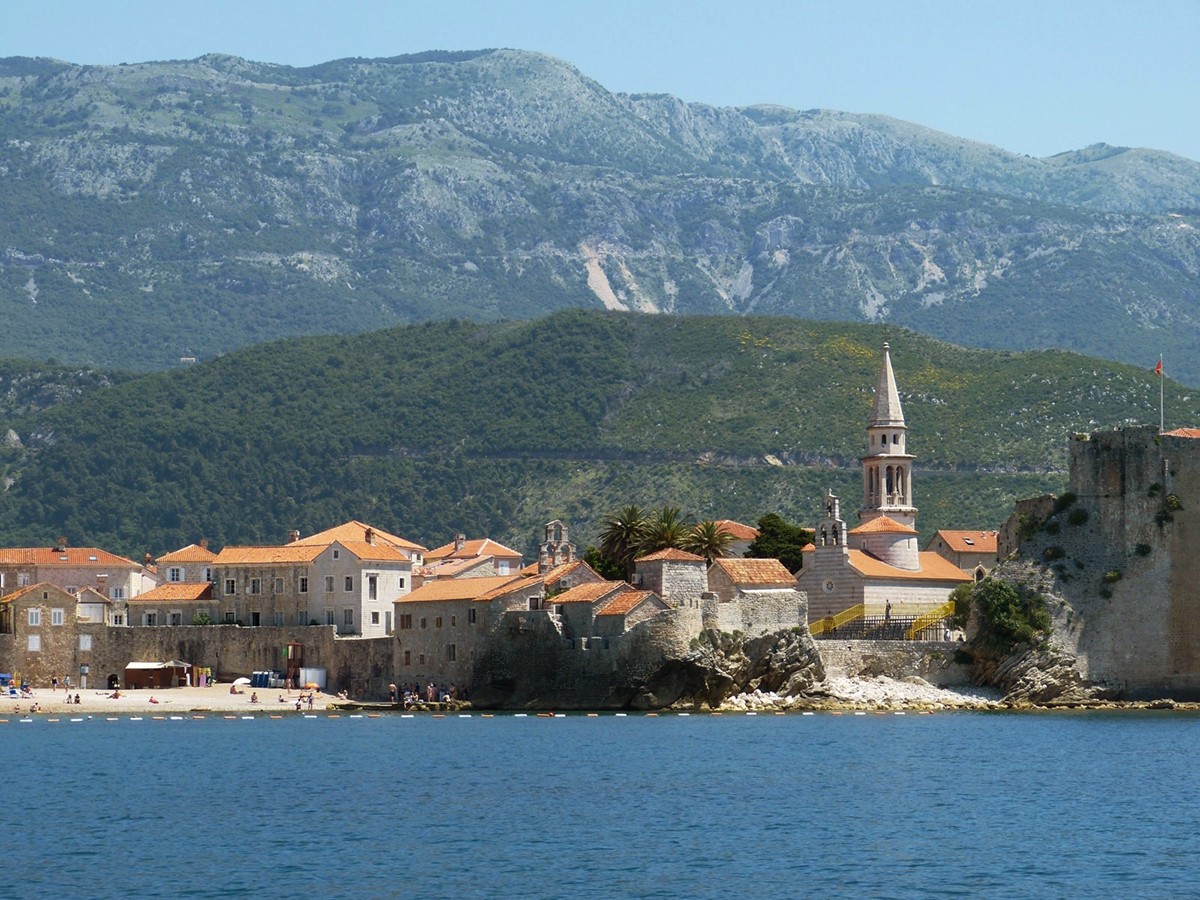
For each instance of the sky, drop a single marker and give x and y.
(1032, 77)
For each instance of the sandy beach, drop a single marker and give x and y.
(169, 700)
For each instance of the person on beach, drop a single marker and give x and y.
(54, 682)
(254, 697)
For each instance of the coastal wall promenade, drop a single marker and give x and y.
(932, 661)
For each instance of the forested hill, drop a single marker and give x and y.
(163, 210)
(432, 429)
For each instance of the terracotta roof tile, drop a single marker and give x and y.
(287, 554)
(933, 568)
(473, 548)
(356, 531)
(589, 592)
(175, 592)
(970, 541)
(520, 583)
(670, 554)
(625, 602)
(72, 556)
(1184, 432)
(737, 530)
(756, 571)
(40, 586)
(188, 554)
(882, 525)
(457, 589)
(377, 552)
(453, 568)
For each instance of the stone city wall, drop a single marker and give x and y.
(934, 661)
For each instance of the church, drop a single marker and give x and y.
(878, 562)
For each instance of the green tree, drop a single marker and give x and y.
(621, 537)
(779, 539)
(607, 568)
(668, 527)
(708, 540)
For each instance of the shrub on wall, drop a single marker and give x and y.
(1009, 617)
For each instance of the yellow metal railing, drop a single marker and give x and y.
(831, 622)
(930, 618)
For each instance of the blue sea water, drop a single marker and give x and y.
(948, 805)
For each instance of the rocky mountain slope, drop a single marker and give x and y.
(163, 210)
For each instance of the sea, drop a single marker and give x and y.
(1083, 804)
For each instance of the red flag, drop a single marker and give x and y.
(1158, 368)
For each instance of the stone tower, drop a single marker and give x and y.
(887, 467)
(556, 549)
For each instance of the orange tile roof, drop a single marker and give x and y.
(933, 568)
(882, 525)
(671, 554)
(250, 556)
(1184, 432)
(190, 553)
(737, 530)
(558, 573)
(376, 552)
(176, 591)
(72, 556)
(589, 592)
(530, 570)
(970, 541)
(520, 583)
(453, 568)
(40, 586)
(481, 547)
(356, 531)
(456, 589)
(625, 602)
(756, 571)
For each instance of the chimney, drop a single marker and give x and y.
(459, 541)
(293, 536)
(61, 544)
(370, 536)
(147, 560)
(203, 543)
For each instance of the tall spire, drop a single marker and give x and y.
(886, 411)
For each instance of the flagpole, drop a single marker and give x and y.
(1162, 417)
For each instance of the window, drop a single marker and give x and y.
(349, 584)
(150, 618)
(470, 616)
(374, 618)
(304, 584)
(35, 618)
(421, 659)
(176, 618)
(302, 617)
(400, 580)
(532, 602)
(337, 554)
(502, 567)
(329, 584)
(424, 622)
(117, 593)
(34, 643)
(118, 619)
(451, 653)
(437, 622)
(229, 618)
(408, 657)
(255, 619)
(406, 620)
(347, 616)
(453, 621)
(278, 617)
(256, 585)
(174, 574)
(85, 642)
(278, 586)
(22, 579)
(329, 617)
(372, 587)
(230, 587)
(57, 617)
(208, 573)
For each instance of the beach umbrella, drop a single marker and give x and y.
(241, 681)
(311, 686)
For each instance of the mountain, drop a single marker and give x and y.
(432, 429)
(177, 209)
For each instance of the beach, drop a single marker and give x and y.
(171, 700)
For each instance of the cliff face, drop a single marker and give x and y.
(1115, 565)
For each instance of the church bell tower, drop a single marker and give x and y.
(887, 467)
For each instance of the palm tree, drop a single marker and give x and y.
(621, 536)
(668, 527)
(708, 540)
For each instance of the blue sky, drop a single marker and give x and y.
(1033, 77)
